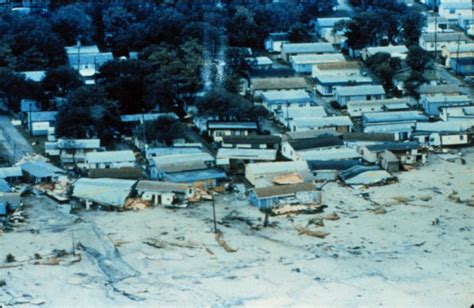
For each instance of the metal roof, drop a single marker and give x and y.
(364, 175)
(379, 102)
(147, 117)
(10, 172)
(440, 98)
(317, 142)
(315, 59)
(307, 48)
(312, 133)
(78, 143)
(283, 190)
(81, 49)
(36, 76)
(342, 78)
(4, 186)
(446, 126)
(194, 176)
(285, 95)
(109, 157)
(321, 122)
(156, 186)
(329, 22)
(394, 146)
(246, 154)
(390, 128)
(251, 139)
(445, 37)
(368, 137)
(42, 116)
(333, 164)
(393, 116)
(28, 105)
(231, 125)
(40, 169)
(111, 192)
(340, 153)
(276, 167)
(298, 112)
(360, 90)
(343, 65)
(388, 49)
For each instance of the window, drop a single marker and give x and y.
(461, 137)
(452, 11)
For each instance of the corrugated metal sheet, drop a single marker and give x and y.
(111, 192)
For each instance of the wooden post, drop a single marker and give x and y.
(211, 188)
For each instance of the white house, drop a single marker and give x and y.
(338, 123)
(217, 129)
(336, 68)
(87, 60)
(293, 49)
(326, 84)
(286, 114)
(399, 51)
(345, 95)
(277, 100)
(275, 40)
(357, 108)
(164, 193)
(453, 9)
(303, 64)
(448, 40)
(109, 159)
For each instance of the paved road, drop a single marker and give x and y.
(15, 144)
(451, 78)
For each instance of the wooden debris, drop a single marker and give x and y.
(425, 198)
(332, 216)
(223, 243)
(290, 178)
(380, 211)
(316, 233)
(136, 204)
(317, 221)
(160, 244)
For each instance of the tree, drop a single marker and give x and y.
(412, 23)
(384, 66)
(72, 23)
(14, 87)
(315, 8)
(418, 59)
(164, 130)
(298, 34)
(60, 81)
(242, 29)
(413, 82)
(87, 113)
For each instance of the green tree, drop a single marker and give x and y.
(164, 130)
(418, 59)
(88, 113)
(384, 66)
(412, 23)
(413, 82)
(299, 34)
(60, 81)
(242, 29)
(72, 23)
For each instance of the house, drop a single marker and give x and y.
(217, 129)
(260, 62)
(407, 152)
(399, 51)
(164, 193)
(303, 64)
(327, 170)
(326, 84)
(336, 68)
(400, 122)
(444, 39)
(36, 76)
(72, 151)
(109, 159)
(365, 175)
(457, 113)
(330, 153)
(275, 40)
(338, 123)
(87, 60)
(196, 169)
(251, 142)
(39, 122)
(262, 174)
(357, 108)
(186, 148)
(127, 173)
(436, 24)
(463, 66)
(267, 197)
(292, 149)
(276, 100)
(432, 104)
(234, 159)
(458, 51)
(29, 105)
(311, 134)
(447, 89)
(260, 85)
(358, 139)
(292, 49)
(345, 95)
(444, 133)
(105, 192)
(40, 172)
(452, 10)
(10, 175)
(325, 28)
(146, 117)
(388, 161)
(285, 115)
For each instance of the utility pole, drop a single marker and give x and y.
(144, 128)
(457, 55)
(211, 188)
(436, 38)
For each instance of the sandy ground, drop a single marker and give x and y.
(419, 253)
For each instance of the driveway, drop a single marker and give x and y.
(14, 143)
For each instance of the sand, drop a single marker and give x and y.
(417, 251)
